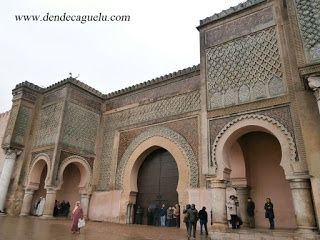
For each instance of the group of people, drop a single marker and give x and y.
(191, 217)
(61, 208)
(234, 217)
(171, 216)
(160, 216)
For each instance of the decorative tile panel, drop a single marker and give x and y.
(10, 125)
(80, 128)
(21, 124)
(309, 20)
(47, 128)
(246, 69)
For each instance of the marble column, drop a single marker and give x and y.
(84, 200)
(27, 201)
(219, 210)
(49, 204)
(302, 203)
(314, 84)
(243, 194)
(9, 161)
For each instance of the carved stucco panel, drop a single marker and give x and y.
(308, 12)
(10, 125)
(47, 128)
(22, 124)
(245, 64)
(80, 128)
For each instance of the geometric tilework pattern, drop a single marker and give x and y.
(10, 125)
(246, 69)
(47, 128)
(21, 124)
(163, 108)
(80, 128)
(309, 21)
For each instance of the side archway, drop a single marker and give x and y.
(36, 168)
(85, 173)
(38, 177)
(251, 123)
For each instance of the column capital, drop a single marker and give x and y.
(29, 191)
(215, 183)
(314, 84)
(300, 183)
(51, 189)
(12, 153)
(244, 189)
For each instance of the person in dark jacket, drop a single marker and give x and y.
(186, 217)
(268, 207)
(193, 218)
(163, 213)
(250, 212)
(203, 216)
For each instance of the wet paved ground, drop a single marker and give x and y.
(33, 228)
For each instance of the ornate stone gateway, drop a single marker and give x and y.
(157, 182)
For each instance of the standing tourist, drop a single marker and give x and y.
(186, 217)
(239, 219)
(77, 214)
(163, 214)
(232, 211)
(268, 207)
(250, 212)
(40, 207)
(150, 215)
(176, 215)
(169, 216)
(203, 216)
(139, 215)
(193, 218)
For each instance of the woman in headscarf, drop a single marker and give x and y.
(77, 214)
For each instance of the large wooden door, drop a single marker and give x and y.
(157, 181)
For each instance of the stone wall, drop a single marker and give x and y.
(4, 118)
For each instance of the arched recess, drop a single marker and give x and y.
(85, 173)
(246, 124)
(143, 145)
(38, 164)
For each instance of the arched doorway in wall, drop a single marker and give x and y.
(254, 160)
(157, 184)
(68, 194)
(74, 183)
(38, 176)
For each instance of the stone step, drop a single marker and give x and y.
(263, 234)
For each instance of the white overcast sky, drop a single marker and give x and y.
(160, 38)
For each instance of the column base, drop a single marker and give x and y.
(46, 217)
(219, 227)
(307, 233)
(24, 214)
